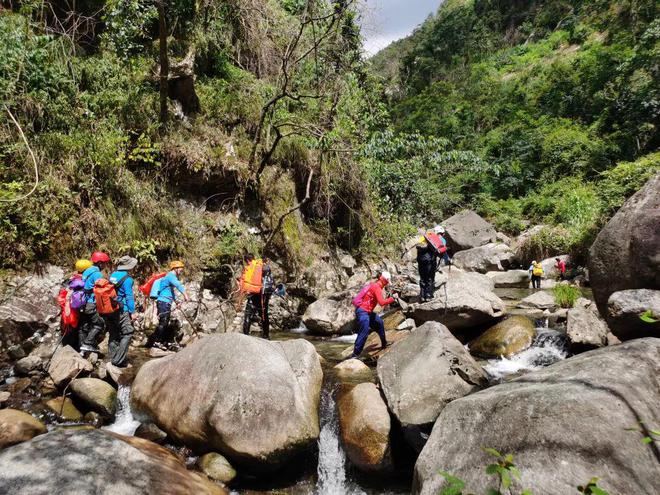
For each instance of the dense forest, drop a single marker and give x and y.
(204, 129)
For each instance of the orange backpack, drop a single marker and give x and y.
(105, 293)
(251, 280)
(145, 288)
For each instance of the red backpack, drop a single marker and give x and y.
(145, 288)
(357, 300)
(105, 293)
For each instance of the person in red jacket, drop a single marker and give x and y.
(365, 316)
(561, 267)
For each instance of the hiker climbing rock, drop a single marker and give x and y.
(257, 284)
(120, 322)
(165, 298)
(560, 265)
(430, 246)
(91, 324)
(365, 302)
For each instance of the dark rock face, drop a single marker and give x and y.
(564, 424)
(626, 253)
(467, 230)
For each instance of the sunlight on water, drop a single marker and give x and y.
(125, 423)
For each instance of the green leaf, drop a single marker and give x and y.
(647, 440)
(598, 491)
(492, 452)
(647, 317)
(526, 492)
(515, 471)
(506, 480)
(492, 469)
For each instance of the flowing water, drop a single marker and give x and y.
(125, 423)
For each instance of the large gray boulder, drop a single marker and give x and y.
(332, 315)
(506, 338)
(585, 328)
(625, 309)
(422, 374)
(564, 424)
(93, 462)
(67, 364)
(510, 279)
(467, 300)
(249, 399)
(467, 230)
(482, 259)
(539, 300)
(626, 253)
(550, 270)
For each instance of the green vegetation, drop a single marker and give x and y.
(566, 295)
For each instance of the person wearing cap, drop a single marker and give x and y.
(120, 324)
(71, 300)
(430, 246)
(91, 324)
(166, 297)
(365, 316)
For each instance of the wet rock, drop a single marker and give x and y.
(372, 348)
(92, 461)
(16, 352)
(330, 316)
(64, 408)
(625, 254)
(150, 431)
(539, 300)
(467, 230)
(510, 279)
(16, 427)
(216, 467)
(468, 301)
(27, 365)
(423, 373)
(482, 259)
(94, 419)
(252, 400)
(506, 338)
(95, 394)
(625, 309)
(392, 319)
(585, 328)
(352, 368)
(66, 364)
(590, 399)
(364, 425)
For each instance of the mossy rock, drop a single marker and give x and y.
(64, 408)
(96, 395)
(506, 338)
(216, 467)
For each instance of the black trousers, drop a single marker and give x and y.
(536, 281)
(257, 305)
(91, 325)
(427, 268)
(120, 329)
(162, 332)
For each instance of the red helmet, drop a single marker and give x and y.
(100, 257)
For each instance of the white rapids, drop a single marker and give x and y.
(125, 423)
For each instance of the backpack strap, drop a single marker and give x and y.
(119, 284)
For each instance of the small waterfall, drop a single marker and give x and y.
(549, 346)
(125, 423)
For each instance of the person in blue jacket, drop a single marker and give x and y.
(166, 297)
(91, 324)
(120, 324)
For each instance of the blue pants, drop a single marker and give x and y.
(367, 321)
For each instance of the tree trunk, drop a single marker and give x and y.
(164, 61)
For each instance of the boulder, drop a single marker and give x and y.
(372, 350)
(490, 257)
(323, 278)
(467, 230)
(4, 397)
(549, 269)
(625, 254)
(407, 324)
(585, 328)
(91, 461)
(67, 364)
(564, 424)
(150, 431)
(364, 426)
(539, 300)
(506, 338)
(64, 408)
(252, 400)
(330, 316)
(27, 365)
(467, 300)
(16, 427)
(510, 279)
(95, 394)
(216, 467)
(352, 369)
(625, 308)
(423, 373)
(28, 303)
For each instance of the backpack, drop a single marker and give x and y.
(145, 288)
(105, 293)
(78, 298)
(357, 300)
(251, 280)
(155, 289)
(436, 243)
(537, 270)
(69, 316)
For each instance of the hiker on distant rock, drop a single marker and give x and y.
(430, 246)
(560, 265)
(91, 324)
(536, 272)
(367, 320)
(120, 323)
(71, 300)
(166, 298)
(257, 284)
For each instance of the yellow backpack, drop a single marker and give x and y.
(537, 270)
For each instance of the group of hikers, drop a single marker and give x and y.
(536, 272)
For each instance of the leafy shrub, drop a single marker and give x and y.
(566, 295)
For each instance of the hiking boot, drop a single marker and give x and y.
(174, 347)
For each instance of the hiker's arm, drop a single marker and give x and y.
(381, 300)
(179, 286)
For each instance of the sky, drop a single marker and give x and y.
(384, 21)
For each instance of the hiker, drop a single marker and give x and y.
(560, 265)
(366, 319)
(257, 284)
(91, 324)
(166, 297)
(71, 300)
(120, 323)
(536, 272)
(431, 245)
